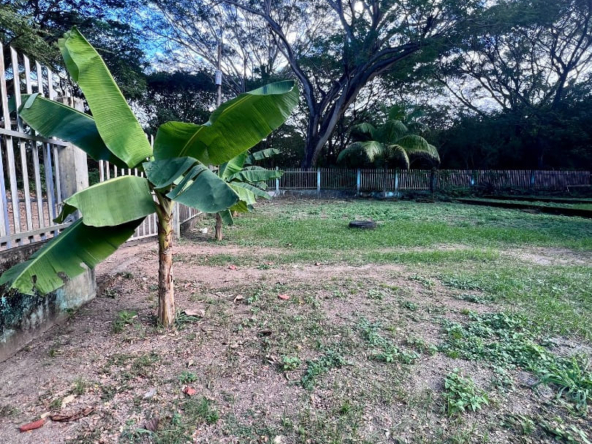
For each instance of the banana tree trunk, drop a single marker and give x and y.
(166, 288)
(218, 227)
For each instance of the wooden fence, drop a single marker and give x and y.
(370, 180)
(31, 185)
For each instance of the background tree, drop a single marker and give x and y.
(335, 47)
(523, 69)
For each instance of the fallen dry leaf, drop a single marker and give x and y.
(152, 424)
(73, 416)
(238, 299)
(284, 297)
(67, 400)
(32, 425)
(197, 312)
(189, 391)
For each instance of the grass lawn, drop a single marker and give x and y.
(446, 324)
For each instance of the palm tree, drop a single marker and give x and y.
(390, 144)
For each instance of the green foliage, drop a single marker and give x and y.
(187, 377)
(113, 209)
(390, 143)
(384, 349)
(329, 360)
(461, 394)
(290, 363)
(122, 319)
(512, 340)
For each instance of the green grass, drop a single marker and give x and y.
(302, 227)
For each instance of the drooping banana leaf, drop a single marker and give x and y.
(261, 155)
(204, 190)
(76, 245)
(244, 195)
(115, 120)
(53, 119)
(227, 217)
(233, 166)
(111, 203)
(233, 128)
(254, 176)
(253, 189)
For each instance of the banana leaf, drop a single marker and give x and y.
(115, 120)
(233, 128)
(76, 245)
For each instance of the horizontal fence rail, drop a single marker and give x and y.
(379, 180)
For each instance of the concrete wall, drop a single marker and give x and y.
(24, 318)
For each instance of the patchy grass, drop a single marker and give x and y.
(447, 324)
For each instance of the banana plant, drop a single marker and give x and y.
(176, 169)
(248, 181)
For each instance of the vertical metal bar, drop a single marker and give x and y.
(318, 181)
(5, 227)
(51, 201)
(108, 170)
(22, 145)
(358, 181)
(397, 183)
(39, 78)
(56, 162)
(101, 171)
(277, 184)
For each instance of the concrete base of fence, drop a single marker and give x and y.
(323, 194)
(24, 318)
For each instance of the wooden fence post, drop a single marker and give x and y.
(72, 161)
(319, 181)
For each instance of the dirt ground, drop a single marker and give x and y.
(135, 376)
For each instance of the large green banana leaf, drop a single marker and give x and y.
(254, 176)
(196, 186)
(111, 203)
(233, 128)
(53, 119)
(115, 121)
(76, 245)
(244, 195)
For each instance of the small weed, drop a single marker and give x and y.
(375, 294)
(290, 363)
(461, 394)
(473, 298)
(466, 284)
(182, 319)
(80, 386)
(421, 346)
(330, 360)
(122, 319)
(7, 411)
(126, 275)
(53, 352)
(187, 377)
(411, 306)
(386, 351)
(111, 293)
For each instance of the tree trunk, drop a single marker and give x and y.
(218, 227)
(166, 288)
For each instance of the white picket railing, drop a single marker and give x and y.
(30, 194)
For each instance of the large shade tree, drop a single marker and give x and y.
(176, 170)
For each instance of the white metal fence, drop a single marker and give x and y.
(30, 190)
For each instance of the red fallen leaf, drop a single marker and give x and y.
(232, 267)
(284, 297)
(74, 416)
(32, 425)
(189, 391)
